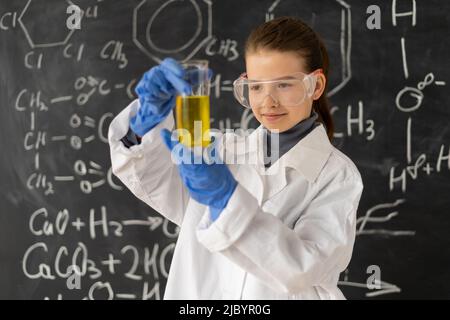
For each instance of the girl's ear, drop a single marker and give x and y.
(320, 86)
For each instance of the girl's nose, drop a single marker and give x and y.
(269, 101)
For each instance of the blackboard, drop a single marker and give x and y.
(61, 87)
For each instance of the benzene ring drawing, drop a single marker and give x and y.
(177, 28)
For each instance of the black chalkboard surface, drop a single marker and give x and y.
(60, 88)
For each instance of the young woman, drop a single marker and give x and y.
(249, 230)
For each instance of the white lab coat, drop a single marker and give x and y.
(284, 235)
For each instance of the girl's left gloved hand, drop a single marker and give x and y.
(209, 184)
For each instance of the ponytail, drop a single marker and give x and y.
(322, 105)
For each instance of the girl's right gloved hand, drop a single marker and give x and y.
(157, 91)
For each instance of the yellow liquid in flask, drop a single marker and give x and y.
(192, 115)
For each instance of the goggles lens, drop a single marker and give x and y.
(291, 91)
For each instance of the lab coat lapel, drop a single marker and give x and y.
(251, 180)
(310, 154)
(241, 150)
(262, 183)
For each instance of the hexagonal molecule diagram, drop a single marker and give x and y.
(174, 28)
(44, 23)
(332, 20)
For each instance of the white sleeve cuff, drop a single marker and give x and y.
(120, 125)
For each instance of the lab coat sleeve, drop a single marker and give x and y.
(147, 169)
(288, 260)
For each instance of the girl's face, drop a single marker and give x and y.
(267, 65)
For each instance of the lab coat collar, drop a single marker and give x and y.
(307, 157)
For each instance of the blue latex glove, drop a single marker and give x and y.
(157, 92)
(209, 184)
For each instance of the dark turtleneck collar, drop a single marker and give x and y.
(289, 138)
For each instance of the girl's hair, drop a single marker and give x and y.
(291, 34)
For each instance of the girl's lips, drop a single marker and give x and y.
(274, 117)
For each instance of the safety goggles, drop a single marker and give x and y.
(290, 91)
